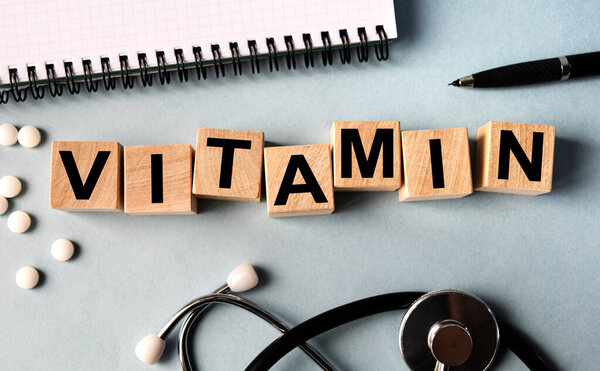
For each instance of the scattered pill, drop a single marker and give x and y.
(3, 205)
(29, 136)
(10, 186)
(27, 277)
(8, 134)
(19, 222)
(62, 249)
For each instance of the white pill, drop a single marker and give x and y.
(10, 186)
(3, 204)
(19, 222)
(62, 249)
(29, 136)
(27, 277)
(8, 134)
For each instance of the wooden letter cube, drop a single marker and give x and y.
(86, 176)
(514, 158)
(158, 179)
(299, 180)
(366, 155)
(229, 164)
(436, 164)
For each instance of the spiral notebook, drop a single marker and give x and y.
(56, 46)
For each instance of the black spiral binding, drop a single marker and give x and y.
(90, 84)
(55, 89)
(37, 92)
(144, 75)
(272, 54)
(382, 51)
(235, 56)
(19, 91)
(181, 71)
(18, 94)
(290, 57)
(254, 62)
(72, 85)
(216, 52)
(345, 50)
(200, 68)
(327, 52)
(107, 79)
(125, 78)
(309, 58)
(363, 50)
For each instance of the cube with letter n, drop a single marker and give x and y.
(514, 158)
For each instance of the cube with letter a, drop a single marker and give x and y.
(299, 180)
(514, 158)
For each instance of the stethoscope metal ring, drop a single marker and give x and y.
(449, 328)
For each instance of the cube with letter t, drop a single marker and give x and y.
(299, 180)
(229, 164)
(514, 158)
(86, 176)
(366, 155)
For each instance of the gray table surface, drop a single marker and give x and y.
(533, 259)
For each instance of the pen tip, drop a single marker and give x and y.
(454, 83)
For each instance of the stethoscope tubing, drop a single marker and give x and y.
(327, 321)
(364, 308)
(197, 306)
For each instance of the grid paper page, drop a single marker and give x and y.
(36, 32)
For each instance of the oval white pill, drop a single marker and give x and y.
(10, 186)
(62, 249)
(19, 222)
(3, 204)
(27, 277)
(29, 136)
(8, 134)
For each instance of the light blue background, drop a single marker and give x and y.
(533, 259)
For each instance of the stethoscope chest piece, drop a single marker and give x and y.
(449, 328)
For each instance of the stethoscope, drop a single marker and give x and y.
(441, 330)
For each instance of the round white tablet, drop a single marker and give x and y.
(19, 222)
(3, 204)
(62, 249)
(27, 277)
(10, 186)
(8, 134)
(29, 136)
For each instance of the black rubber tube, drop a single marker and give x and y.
(327, 321)
(364, 308)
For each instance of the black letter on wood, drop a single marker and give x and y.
(508, 143)
(384, 138)
(229, 146)
(83, 191)
(298, 163)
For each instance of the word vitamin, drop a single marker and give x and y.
(300, 180)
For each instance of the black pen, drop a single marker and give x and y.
(553, 69)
